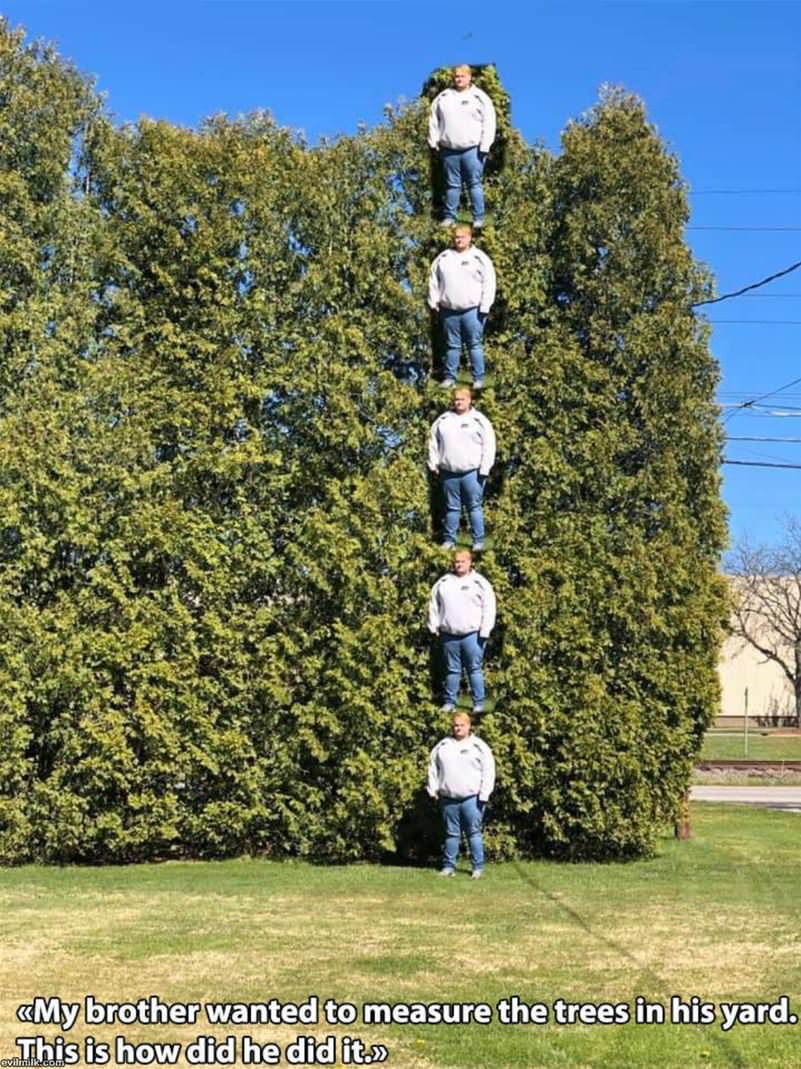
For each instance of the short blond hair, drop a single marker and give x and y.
(462, 67)
(463, 228)
(461, 716)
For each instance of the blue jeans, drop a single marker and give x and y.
(458, 165)
(463, 487)
(467, 651)
(462, 815)
(462, 325)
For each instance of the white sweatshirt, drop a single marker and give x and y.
(460, 768)
(462, 119)
(461, 442)
(461, 280)
(461, 604)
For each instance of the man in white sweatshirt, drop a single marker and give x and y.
(461, 289)
(461, 776)
(461, 451)
(461, 127)
(461, 611)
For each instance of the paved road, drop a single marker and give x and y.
(774, 797)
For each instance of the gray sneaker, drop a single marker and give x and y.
(475, 874)
(448, 707)
(445, 872)
(446, 384)
(478, 384)
(478, 547)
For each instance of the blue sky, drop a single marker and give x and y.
(721, 80)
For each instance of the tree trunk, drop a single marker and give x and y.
(681, 828)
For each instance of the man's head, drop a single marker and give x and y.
(460, 725)
(462, 236)
(462, 561)
(462, 76)
(462, 400)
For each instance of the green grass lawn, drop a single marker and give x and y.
(718, 917)
(760, 747)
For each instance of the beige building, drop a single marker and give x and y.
(770, 693)
(770, 696)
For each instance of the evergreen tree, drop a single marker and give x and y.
(47, 313)
(217, 542)
(611, 524)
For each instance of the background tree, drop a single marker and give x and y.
(767, 602)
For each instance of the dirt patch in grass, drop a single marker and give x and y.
(754, 777)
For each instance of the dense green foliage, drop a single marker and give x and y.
(216, 540)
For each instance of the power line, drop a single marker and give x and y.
(752, 286)
(788, 409)
(752, 229)
(769, 457)
(762, 397)
(733, 397)
(739, 192)
(772, 393)
(753, 438)
(776, 415)
(758, 464)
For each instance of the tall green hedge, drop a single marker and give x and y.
(216, 536)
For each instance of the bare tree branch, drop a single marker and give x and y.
(767, 602)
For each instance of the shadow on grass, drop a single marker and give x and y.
(726, 1049)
